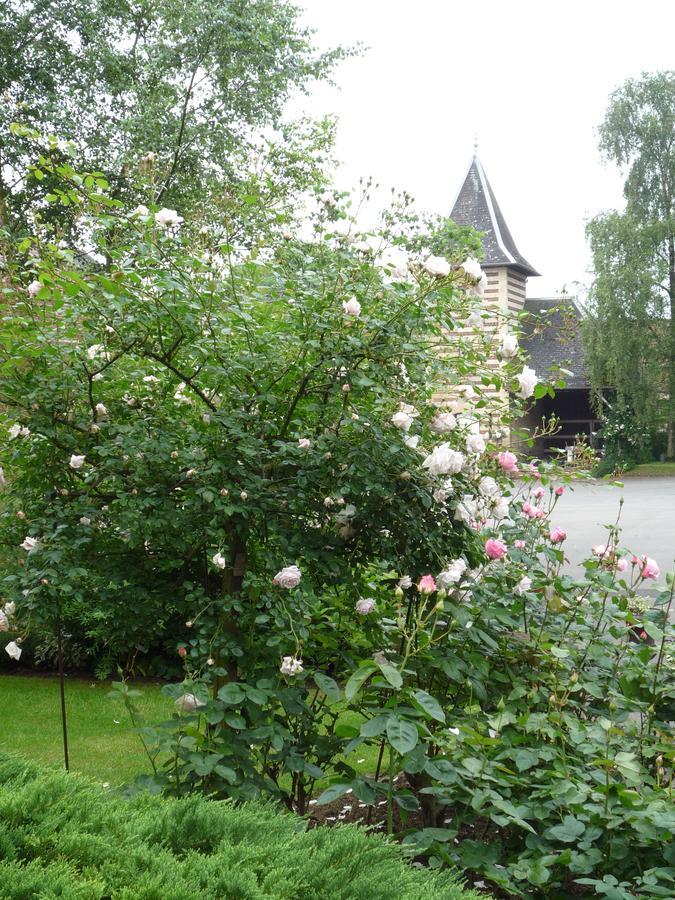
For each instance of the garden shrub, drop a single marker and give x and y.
(239, 448)
(63, 836)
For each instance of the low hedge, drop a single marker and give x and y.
(64, 836)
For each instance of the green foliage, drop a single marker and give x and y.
(62, 836)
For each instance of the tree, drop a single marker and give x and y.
(172, 96)
(630, 333)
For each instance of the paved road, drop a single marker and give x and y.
(647, 518)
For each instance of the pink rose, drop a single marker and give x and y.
(557, 536)
(182, 652)
(495, 548)
(621, 565)
(650, 568)
(519, 544)
(304, 443)
(508, 461)
(532, 512)
(427, 584)
(534, 471)
(539, 493)
(559, 491)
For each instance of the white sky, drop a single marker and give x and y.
(530, 77)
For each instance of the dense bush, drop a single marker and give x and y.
(240, 448)
(63, 836)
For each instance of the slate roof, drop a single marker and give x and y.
(476, 205)
(552, 338)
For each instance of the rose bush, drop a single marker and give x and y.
(237, 450)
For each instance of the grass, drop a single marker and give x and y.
(653, 469)
(101, 740)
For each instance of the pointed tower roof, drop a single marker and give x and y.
(476, 205)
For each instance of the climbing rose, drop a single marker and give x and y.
(4, 624)
(538, 493)
(29, 544)
(427, 584)
(437, 266)
(519, 544)
(488, 487)
(189, 703)
(351, 307)
(288, 577)
(472, 267)
(167, 218)
(532, 512)
(13, 650)
(452, 574)
(9, 608)
(290, 666)
(402, 420)
(76, 462)
(101, 410)
(509, 346)
(443, 422)
(527, 381)
(34, 287)
(508, 461)
(523, 585)
(501, 508)
(559, 491)
(405, 582)
(219, 561)
(140, 211)
(304, 443)
(475, 443)
(557, 536)
(412, 441)
(495, 548)
(650, 568)
(364, 605)
(621, 565)
(444, 461)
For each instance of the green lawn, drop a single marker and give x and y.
(653, 469)
(101, 741)
(100, 736)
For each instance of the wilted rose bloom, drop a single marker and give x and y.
(364, 605)
(475, 443)
(442, 422)
(304, 443)
(527, 381)
(351, 307)
(402, 420)
(523, 585)
(13, 650)
(437, 266)
(189, 703)
(288, 577)
(649, 568)
(452, 574)
(559, 491)
(405, 582)
(290, 665)
(508, 461)
(101, 410)
(472, 267)
(488, 487)
(9, 608)
(444, 461)
(219, 561)
(167, 218)
(602, 550)
(29, 544)
(495, 548)
(4, 623)
(76, 462)
(557, 536)
(427, 584)
(519, 544)
(509, 346)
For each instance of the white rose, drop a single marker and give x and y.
(13, 650)
(304, 443)
(488, 487)
(150, 379)
(288, 577)
(472, 267)
(290, 665)
(10, 608)
(405, 582)
(34, 287)
(95, 350)
(444, 461)
(402, 420)
(14, 431)
(467, 509)
(509, 346)
(452, 574)
(527, 381)
(219, 560)
(4, 622)
(364, 605)
(475, 443)
(167, 218)
(140, 210)
(442, 422)
(101, 410)
(446, 490)
(500, 508)
(189, 703)
(395, 262)
(76, 462)
(475, 319)
(351, 307)
(523, 585)
(412, 441)
(28, 544)
(437, 266)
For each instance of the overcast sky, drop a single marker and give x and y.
(530, 77)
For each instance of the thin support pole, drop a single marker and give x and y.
(62, 687)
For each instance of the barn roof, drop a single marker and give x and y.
(552, 339)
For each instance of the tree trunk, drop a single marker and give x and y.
(233, 578)
(670, 452)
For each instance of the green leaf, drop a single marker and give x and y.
(328, 685)
(333, 792)
(568, 831)
(407, 801)
(231, 693)
(402, 735)
(392, 675)
(429, 705)
(357, 679)
(373, 727)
